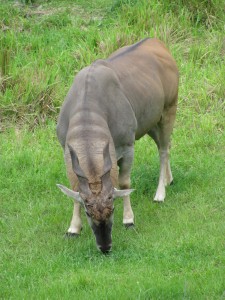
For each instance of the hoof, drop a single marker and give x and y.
(158, 201)
(71, 235)
(129, 225)
(172, 182)
(159, 198)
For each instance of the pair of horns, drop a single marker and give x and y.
(80, 173)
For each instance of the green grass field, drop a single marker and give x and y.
(177, 249)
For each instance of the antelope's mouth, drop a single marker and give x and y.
(105, 249)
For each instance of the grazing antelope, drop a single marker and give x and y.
(112, 103)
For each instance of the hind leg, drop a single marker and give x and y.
(161, 135)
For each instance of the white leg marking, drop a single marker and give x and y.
(128, 215)
(124, 182)
(161, 191)
(169, 176)
(75, 225)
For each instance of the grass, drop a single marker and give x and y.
(177, 249)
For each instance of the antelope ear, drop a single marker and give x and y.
(70, 193)
(122, 193)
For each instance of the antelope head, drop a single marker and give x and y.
(98, 203)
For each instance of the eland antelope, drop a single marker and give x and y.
(112, 103)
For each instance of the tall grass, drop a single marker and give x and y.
(43, 47)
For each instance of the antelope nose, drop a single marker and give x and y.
(105, 248)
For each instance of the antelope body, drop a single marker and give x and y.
(112, 103)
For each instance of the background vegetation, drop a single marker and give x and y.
(177, 249)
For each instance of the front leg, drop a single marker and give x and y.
(125, 164)
(75, 225)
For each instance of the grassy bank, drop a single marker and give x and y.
(177, 249)
(44, 46)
